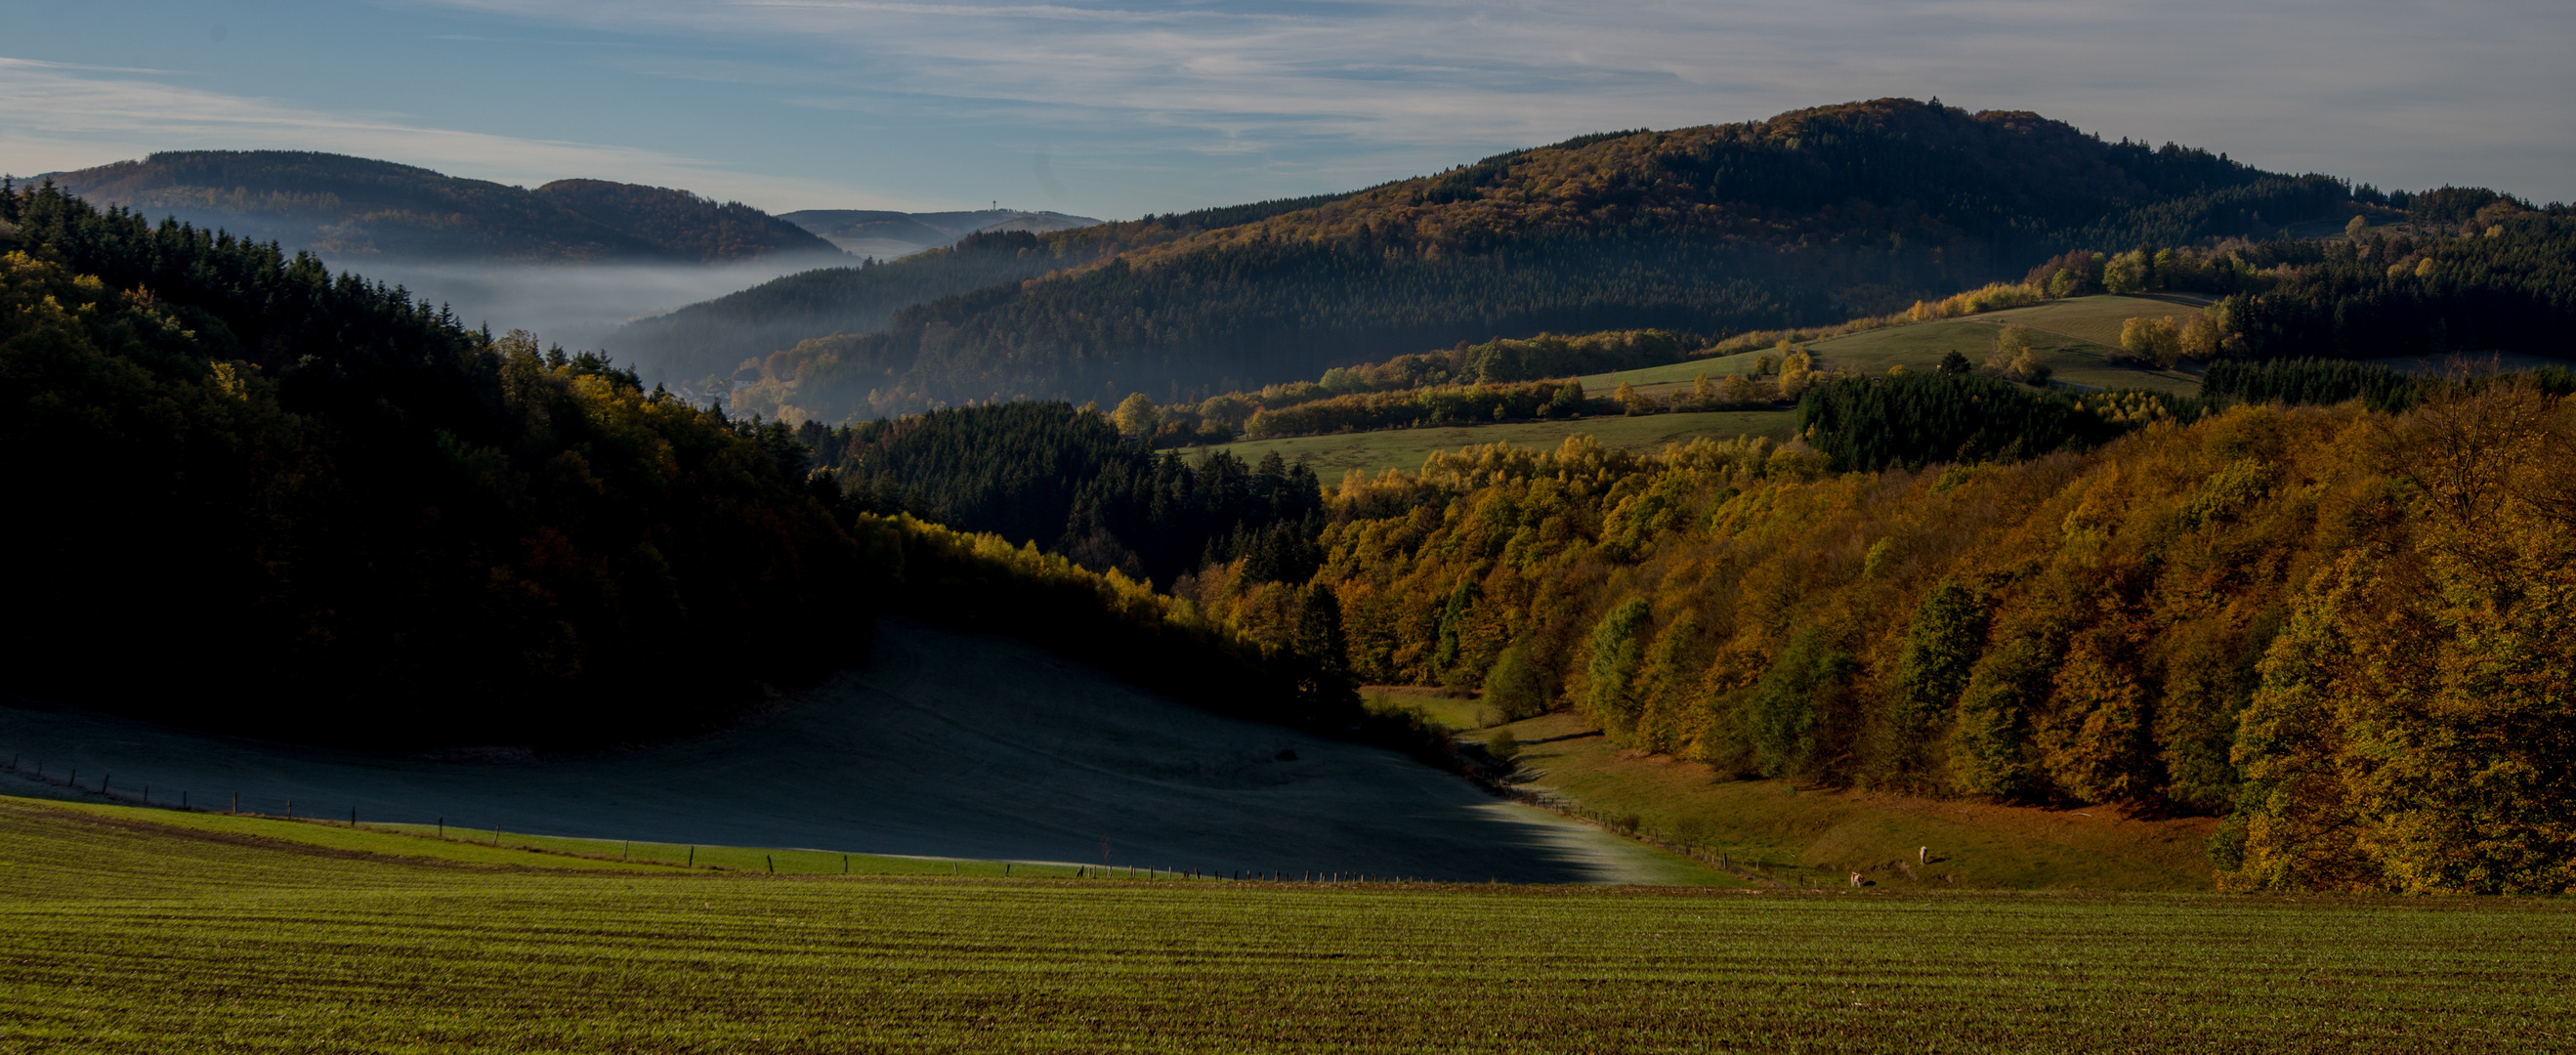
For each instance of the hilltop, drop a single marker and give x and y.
(1812, 216)
(887, 235)
(347, 207)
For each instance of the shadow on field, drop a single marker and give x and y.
(949, 745)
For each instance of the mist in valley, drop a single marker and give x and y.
(575, 305)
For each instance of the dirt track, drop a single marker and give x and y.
(950, 745)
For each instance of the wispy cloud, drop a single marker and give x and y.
(2375, 88)
(1161, 104)
(64, 116)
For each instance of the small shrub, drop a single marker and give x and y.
(1505, 747)
(1513, 690)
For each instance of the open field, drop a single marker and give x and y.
(1375, 452)
(948, 745)
(126, 936)
(1801, 837)
(2075, 337)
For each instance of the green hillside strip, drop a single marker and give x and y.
(2075, 338)
(2097, 319)
(1375, 452)
(119, 939)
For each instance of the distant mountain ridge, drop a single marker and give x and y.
(348, 209)
(1810, 216)
(887, 235)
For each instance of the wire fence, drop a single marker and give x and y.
(104, 786)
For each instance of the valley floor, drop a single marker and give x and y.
(1804, 837)
(127, 935)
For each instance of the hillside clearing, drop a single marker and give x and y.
(122, 937)
(1376, 452)
(2075, 338)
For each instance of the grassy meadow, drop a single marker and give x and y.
(1375, 452)
(2074, 337)
(124, 933)
(1814, 837)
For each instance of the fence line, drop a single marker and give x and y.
(1474, 770)
(233, 804)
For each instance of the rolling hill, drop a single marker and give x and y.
(347, 208)
(887, 235)
(1811, 216)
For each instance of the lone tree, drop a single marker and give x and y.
(1136, 415)
(1323, 653)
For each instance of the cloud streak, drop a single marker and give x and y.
(1152, 105)
(65, 116)
(2402, 93)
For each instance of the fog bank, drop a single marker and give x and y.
(575, 305)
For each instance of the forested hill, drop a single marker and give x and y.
(682, 224)
(718, 336)
(257, 497)
(1812, 216)
(715, 337)
(886, 235)
(354, 208)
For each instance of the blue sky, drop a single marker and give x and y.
(1114, 109)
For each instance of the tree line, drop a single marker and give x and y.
(1955, 416)
(1066, 480)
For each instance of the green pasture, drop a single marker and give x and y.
(1807, 837)
(1375, 452)
(123, 935)
(2075, 337)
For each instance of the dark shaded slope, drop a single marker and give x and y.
(349, 518)
(715, 337)
(947, 744)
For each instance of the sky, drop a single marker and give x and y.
(1116, 108)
